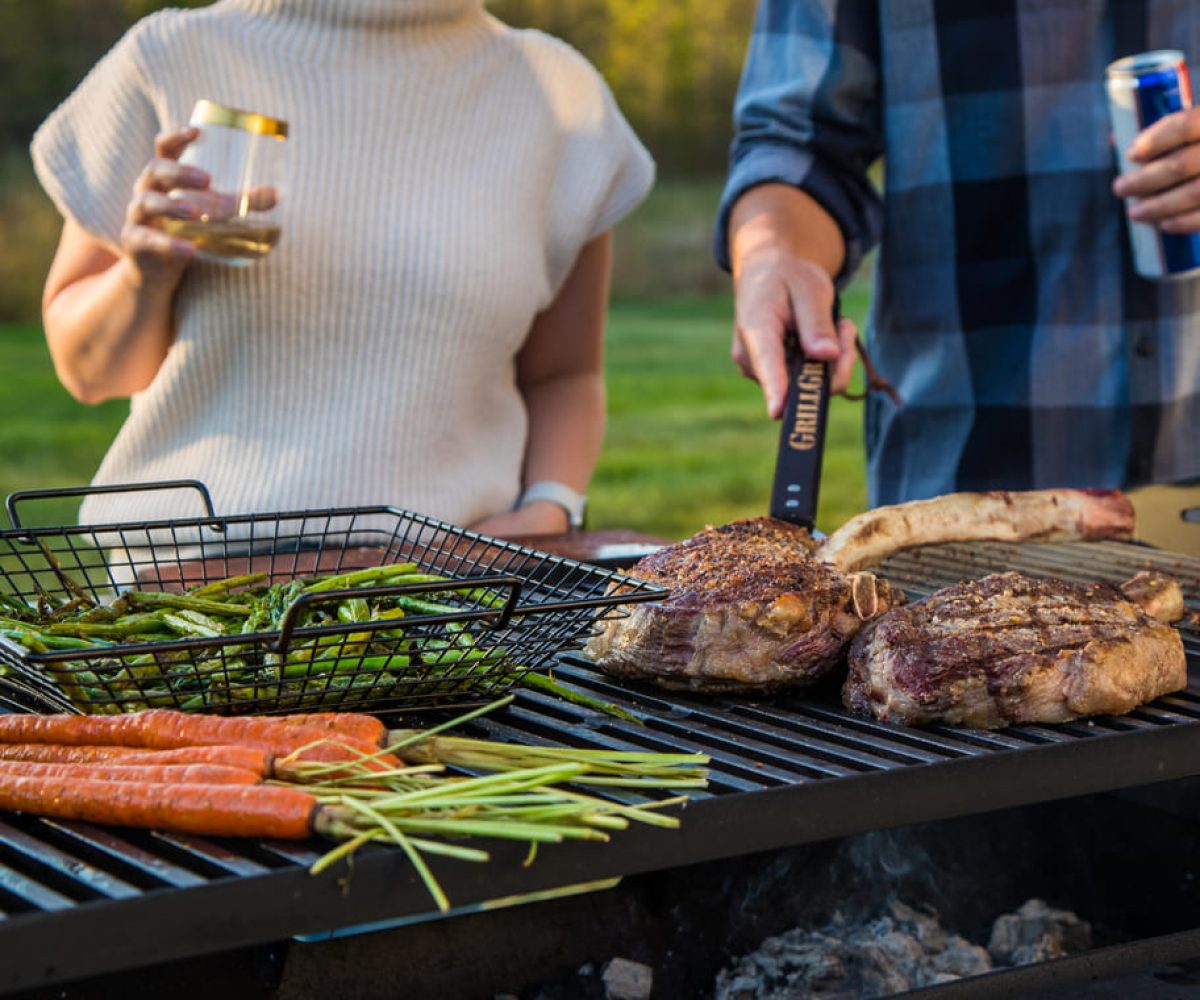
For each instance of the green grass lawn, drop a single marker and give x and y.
(46, 437)
(688, 439)
(689, 442)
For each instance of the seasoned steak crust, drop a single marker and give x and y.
(749, 608)
(1007, 649)
(739, 561)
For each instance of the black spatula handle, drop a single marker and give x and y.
(802, 435)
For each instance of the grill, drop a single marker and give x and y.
(785, 772)
(478, 616)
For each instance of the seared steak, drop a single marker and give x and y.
(749, 606)
(758, 604)
(1008, 649)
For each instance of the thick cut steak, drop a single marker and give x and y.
(749, 606)
(758, 604)
(1007, 649)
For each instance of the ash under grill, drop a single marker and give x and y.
(786, 771)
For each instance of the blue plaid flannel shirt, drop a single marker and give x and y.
(1005, 308)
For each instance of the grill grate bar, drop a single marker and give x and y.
(87, 880)
(291, 853)
(222, 859)
(30, 893)
(874, 739)
(1185, 711)
(1082, 559)
(937, 746)
(812, 716)
(101, 842)
(857, 755)
(740, 745)
(936, 566)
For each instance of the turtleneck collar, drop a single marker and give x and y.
(376, 13)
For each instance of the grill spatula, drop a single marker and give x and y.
(802, 435)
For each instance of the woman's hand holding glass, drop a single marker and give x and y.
(160, 194)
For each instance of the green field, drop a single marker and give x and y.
(688, 440)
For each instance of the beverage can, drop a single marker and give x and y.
(1142, 89)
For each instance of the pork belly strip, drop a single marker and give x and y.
(749, 608)
(1010, 649)
(999, 516)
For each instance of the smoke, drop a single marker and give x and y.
(890, 856)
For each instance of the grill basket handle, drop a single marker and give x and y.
(512, 583)
(79, 491)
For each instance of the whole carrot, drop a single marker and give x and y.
(55, 753)
(164, 729)
(195, 774)
(356, 724)
(208, 810)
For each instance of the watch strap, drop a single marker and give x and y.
(573, 503)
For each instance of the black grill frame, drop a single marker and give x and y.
(785, 771)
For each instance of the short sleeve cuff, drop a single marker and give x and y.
(777, 164)
(630, 187)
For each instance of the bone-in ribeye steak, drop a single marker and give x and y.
(1008, 649)
(749, 607)
(758, 604)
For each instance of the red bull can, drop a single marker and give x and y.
(1141, 90)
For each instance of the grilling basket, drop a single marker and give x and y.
(364, 607)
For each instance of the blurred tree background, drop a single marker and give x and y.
(673, 67)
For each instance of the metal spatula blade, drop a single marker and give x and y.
(802, 436)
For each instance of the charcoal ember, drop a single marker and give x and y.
(626, 980)
(938, 955)
(1036, 933)
(901, 950)
(796, 963)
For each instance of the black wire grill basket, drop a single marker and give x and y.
(365, 607)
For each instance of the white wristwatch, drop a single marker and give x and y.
(570, 501)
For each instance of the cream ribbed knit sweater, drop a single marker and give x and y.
(444, 172)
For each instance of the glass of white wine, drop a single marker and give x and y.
(244, 155)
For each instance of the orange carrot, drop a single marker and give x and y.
(210, 810)
(362, 727)
(164, 729)
(195, 774)
(55, 753)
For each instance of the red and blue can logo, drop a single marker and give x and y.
(1141, 90)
